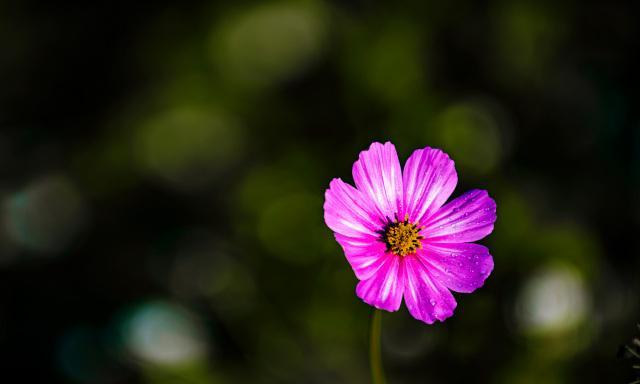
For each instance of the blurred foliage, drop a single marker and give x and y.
(164, 167)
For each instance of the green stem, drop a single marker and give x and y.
(375, 355)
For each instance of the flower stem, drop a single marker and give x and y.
(375, 353)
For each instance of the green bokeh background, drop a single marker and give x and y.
(163, 168)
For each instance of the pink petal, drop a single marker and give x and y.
(460, 267)
(426, 298)
(429, 178)
(467, 218)
(364, 255)
(349, 212)
(384, 288)
(378, 175)
(357, 223)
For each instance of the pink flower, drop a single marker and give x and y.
(400, 237)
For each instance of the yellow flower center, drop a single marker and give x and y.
(402, 237)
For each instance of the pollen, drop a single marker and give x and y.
(402, 237)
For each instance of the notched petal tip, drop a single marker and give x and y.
(386, 147)
(438, 315)
(384, 288)
(348, 211)
(435, 151)
(426, 298)
(490, 265)
(381, 307)
(484, 194)
(462, 267)
(378, 175)
(365, 256)
(383, 144)
(429, 178)
(333, 184)
(467, 218)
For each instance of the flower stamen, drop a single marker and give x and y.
(402, 237)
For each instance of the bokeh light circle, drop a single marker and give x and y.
(269, 42)
(165, 333)
(188, 147)
(46, 216)
(554, 300)
(470, 133)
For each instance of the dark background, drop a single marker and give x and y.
(163, 166)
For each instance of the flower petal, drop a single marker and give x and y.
(467, 218)
(460, 267)
(364, 255)
(429, 178)
(349, 212)
(426, 298)
(384, 288)
(378, 175)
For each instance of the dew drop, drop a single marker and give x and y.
(433, 302)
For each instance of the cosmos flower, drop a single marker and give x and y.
(400, 237)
